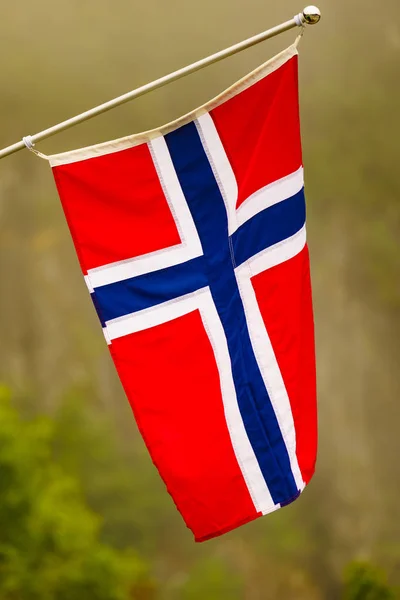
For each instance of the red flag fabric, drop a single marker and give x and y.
(192, 242)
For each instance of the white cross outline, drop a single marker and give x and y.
(202, 300)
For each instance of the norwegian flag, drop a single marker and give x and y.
(192, 242)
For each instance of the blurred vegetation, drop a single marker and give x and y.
(364, 582)
(83, 513)
(49, 540)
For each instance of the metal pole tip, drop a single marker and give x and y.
(311, 15)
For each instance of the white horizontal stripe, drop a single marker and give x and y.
(261, 342)
(155, 315)
(89, 284)
(132, 267)
(202, 301)
(160, 259)
(107, 337)
(278, 253)
(275, 192)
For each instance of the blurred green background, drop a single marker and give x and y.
(83, 513)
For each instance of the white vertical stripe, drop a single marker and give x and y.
(160, 259)
(221, 167)
(175, 197)
(261, 342)
(202, 301)
(246, 458)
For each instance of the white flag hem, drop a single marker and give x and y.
(142, 138)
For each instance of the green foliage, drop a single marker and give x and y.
(121, 483)
(365, 582)
(49, 539)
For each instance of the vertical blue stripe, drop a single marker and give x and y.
(208, 211)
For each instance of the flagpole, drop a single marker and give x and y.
(309, 16)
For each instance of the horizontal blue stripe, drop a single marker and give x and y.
(268, 227)
(130, 295)
(98, 308)
(209, 214)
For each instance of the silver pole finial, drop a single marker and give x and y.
(311, 15)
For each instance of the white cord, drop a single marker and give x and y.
(29, 143)
(298, 39)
